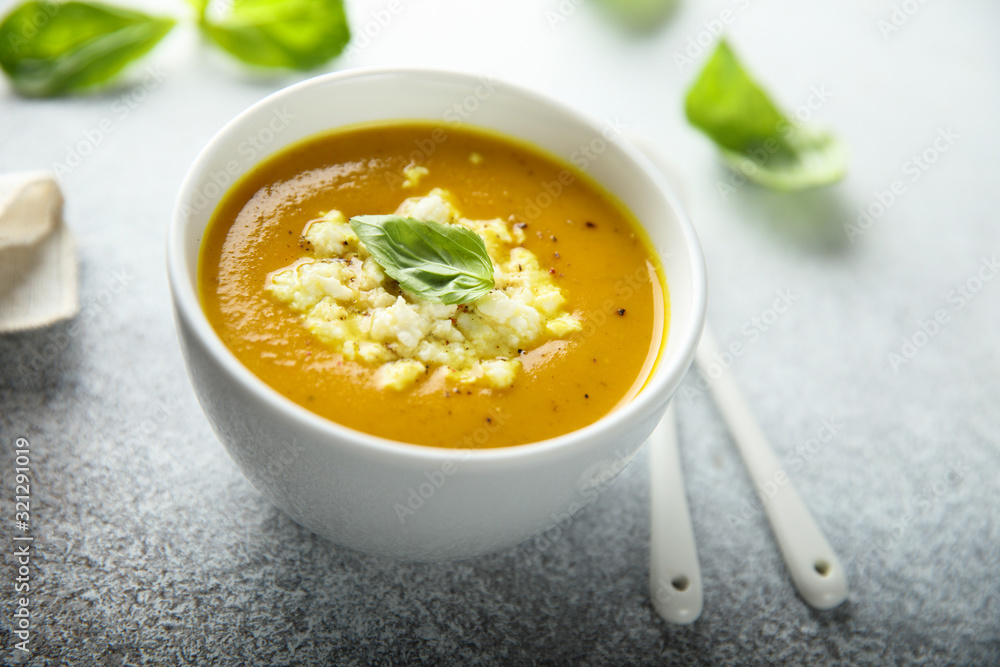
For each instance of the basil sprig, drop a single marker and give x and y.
(441, 263)
(47, 48)
(293, 34)
(753, 135)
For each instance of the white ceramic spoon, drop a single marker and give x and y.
(816, 571)
(674, 575)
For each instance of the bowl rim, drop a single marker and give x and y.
(187, 304)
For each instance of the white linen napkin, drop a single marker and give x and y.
(38, 271)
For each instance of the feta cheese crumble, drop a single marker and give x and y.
(349, 303)
(413, 174)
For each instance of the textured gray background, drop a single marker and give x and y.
(152, 549)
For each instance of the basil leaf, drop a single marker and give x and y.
(291, 34)
(753, 135)
(729, 106)
(639, 15)
(812, 157)
(48, 48)
(441, 263)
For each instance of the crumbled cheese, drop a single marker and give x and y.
(399, 374)
(348, 302)
(413, 174)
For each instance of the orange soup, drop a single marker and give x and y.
(570, 328)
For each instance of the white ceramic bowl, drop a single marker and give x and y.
(391, 498)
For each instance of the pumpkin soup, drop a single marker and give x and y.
(434, 285)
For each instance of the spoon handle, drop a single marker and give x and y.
(674, 575)
(816, 571)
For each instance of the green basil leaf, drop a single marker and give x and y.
(812, 157)
(441, 263)
(290, 34)
(638, 15)
(48, 48)
(753, 135)
(728, 106)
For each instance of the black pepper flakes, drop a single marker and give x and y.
(621, 311)
(521, 225)
(590, 224)
(586, 395)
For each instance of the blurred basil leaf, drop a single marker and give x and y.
(48, 48)
(291, 34)
(811, 157)
(642, 16)
(754, 137)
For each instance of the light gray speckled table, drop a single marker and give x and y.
(152, 549)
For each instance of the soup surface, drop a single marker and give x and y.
(607, 322)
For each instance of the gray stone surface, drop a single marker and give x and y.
(152, 549)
